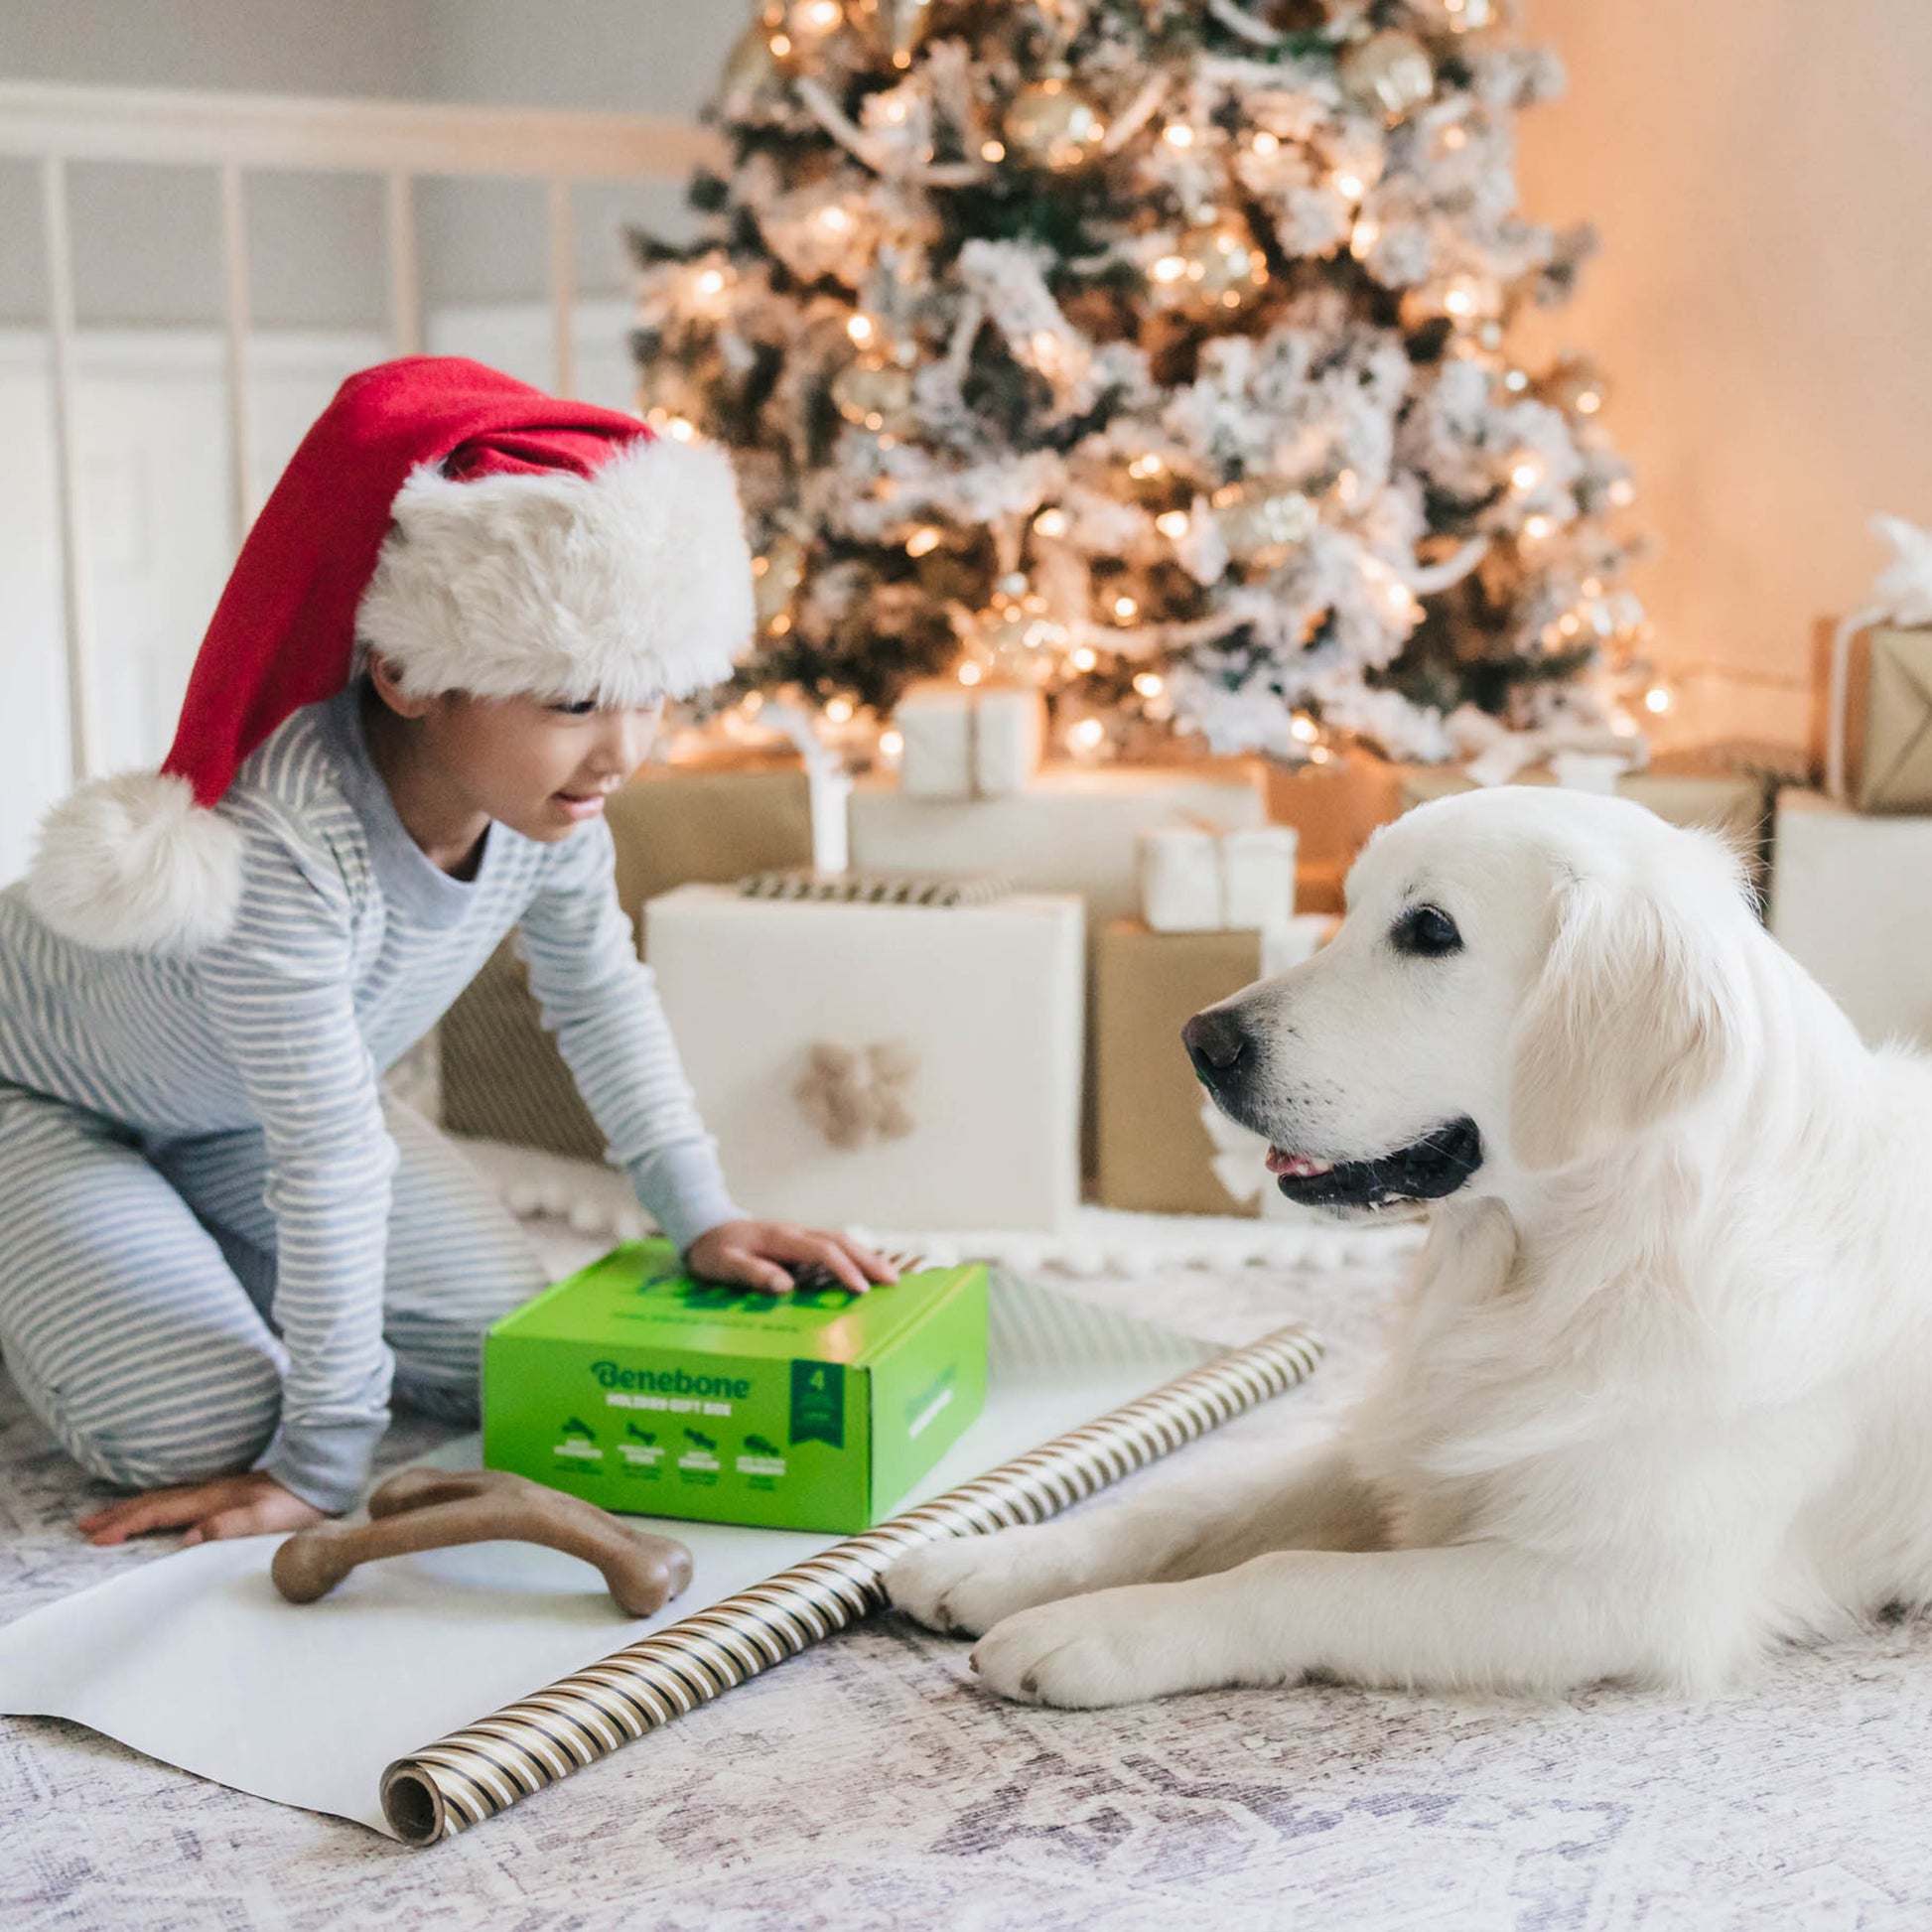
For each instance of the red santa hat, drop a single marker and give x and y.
(479, 534)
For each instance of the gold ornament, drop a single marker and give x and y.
(1216, 266)
(906, 23)
(1390, 71)
(1262, 521)
(874, 392)
(1456, 16)
(1014, 640)
(1574, 386)
(1052, 125)
(776, 577)
(751, 67)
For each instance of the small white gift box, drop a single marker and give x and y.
(968, 743)
(894, 1066)
(1194, 879)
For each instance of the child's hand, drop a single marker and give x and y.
(253, 1504)
(754, 1253)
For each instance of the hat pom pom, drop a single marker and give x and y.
(134, 865)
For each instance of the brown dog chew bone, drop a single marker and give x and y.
(436, 1509)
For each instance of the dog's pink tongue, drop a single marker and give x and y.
(1301, 1165)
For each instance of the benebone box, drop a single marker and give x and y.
(640, 1389)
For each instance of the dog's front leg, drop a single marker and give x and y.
(1311, 1499)
(1474, 1616)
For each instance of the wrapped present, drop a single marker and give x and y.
(503, 1079)
(1074, 828)
(886, 1065)
(503, 1076)
(963, 742)
(1195, 880)
(1878, 733)
(1155, 1149)
(1877, 685)
(675, 827)
(1708, 787)
(1334, 804)
(1852, 902)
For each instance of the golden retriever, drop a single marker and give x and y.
(1663, 1393)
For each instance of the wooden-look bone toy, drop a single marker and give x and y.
(435, 1509)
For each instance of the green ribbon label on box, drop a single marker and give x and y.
(818, 1403)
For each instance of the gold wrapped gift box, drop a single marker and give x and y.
(1888, 717)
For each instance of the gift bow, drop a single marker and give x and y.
(854, 1095)
(1581, 752)
(1901, 594)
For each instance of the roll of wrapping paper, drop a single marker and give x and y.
(486, 1767)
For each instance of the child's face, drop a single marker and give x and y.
(541, 770)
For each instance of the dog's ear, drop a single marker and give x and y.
(1629, 1022)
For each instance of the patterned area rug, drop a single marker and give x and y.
(871, 1783)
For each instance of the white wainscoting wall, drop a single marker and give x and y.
(154, 454)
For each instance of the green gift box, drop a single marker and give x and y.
(640, 1389)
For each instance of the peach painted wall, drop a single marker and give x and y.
(1760, 172)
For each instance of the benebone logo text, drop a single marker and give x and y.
(611, 1375)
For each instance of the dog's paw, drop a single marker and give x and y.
(1116, 1646)
(968, 1583)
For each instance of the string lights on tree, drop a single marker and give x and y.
(1158, 353)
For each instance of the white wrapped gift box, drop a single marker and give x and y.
(892, 1067)
(1074, 828)
(968, 743)
(1197, 880)
(1852, 902)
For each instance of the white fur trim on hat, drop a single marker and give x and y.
(133, 865)
(625, 587)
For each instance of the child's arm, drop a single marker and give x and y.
(277, 994)
(601, 1002)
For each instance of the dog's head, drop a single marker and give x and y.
(1525, 977)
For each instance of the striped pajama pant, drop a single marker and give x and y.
(135, 1278)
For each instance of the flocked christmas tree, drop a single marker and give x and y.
(1155, 351)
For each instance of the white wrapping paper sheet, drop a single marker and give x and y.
(196, 1660)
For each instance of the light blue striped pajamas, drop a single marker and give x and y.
(219, 1240)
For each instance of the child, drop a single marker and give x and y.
(444, 643)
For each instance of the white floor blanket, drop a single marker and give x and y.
(872, 1783)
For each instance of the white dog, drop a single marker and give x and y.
(1663, 1397)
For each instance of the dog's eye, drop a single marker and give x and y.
(1426, 930)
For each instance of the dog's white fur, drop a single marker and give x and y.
(1663, 1397)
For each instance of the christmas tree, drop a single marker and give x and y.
(1157, 353)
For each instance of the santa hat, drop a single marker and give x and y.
(479, 534)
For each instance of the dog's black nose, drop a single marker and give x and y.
(1216, 1042)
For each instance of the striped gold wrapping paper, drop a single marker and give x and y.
(474, 1774)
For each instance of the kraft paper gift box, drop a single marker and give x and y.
(1074, 828)
(1154, 1151)
(1884, 738)
(1852, 902)
(961, 741)
(1699, 788)
(905, 1067)
(503, 1079)
(1197, 880)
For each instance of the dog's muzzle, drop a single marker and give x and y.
(1227, 1058)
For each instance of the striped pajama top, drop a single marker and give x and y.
(348, 946)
